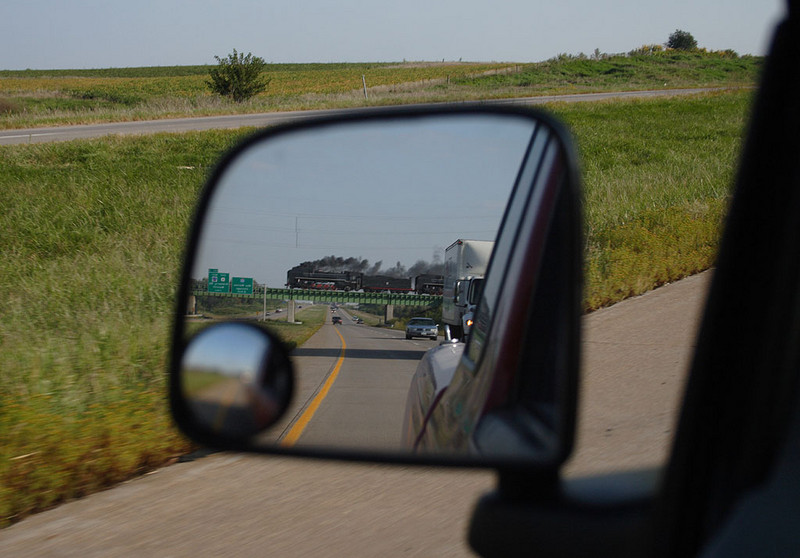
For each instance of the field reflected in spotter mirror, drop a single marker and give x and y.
(232, 380)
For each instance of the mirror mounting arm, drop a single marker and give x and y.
(448, 336)
(524, 486)
(581, 517)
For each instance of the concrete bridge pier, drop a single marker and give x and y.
(389, 315)
(290, 310)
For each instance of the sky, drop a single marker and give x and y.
(390, 192)
(231, 350)
(78, 34)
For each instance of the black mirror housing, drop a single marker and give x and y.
(236, 381)
(517, 377)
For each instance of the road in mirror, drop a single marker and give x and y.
(334, 238)
(236, 379)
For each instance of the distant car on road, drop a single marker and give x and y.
(336, 320)
(422, 327)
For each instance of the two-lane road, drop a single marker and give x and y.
(174, 125)
(353, 381)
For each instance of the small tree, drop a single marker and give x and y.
(681, 40)
(238, 76)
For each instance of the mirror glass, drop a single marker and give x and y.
(236, 379)
(334, 238)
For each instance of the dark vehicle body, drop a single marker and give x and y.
(336, 320)
(496, 374)
(433, 375)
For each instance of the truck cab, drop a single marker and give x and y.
(465, 266)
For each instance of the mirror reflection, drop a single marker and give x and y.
(236, 379)
(334, 239)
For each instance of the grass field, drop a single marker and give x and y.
(656, 177)
(92, 234)
(49, 98)
(42, 98)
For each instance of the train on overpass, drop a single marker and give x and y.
(306, 277)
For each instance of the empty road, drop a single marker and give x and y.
(66, 133)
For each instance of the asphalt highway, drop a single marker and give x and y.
(635, 356)
(370, 369)
(66, 133)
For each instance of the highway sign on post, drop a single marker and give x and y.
(218, 282)
(242, 285)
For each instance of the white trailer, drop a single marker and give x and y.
(465, 263)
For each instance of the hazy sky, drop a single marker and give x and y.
(52, 34)
(390, 192)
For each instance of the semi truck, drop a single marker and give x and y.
(465, 263)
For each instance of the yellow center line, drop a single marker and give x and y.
(294, 434)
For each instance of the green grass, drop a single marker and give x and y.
(668, 69)
(367, 313)
(38, 98)
(656, 181)
(59, 97)
(310, 319)
(182, 71)
(92, 233)
(91, 236)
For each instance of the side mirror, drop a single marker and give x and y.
(302, 217)
(457, 292)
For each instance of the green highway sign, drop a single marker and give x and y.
(218, 282)
(242, 285)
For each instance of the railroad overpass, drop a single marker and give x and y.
(389, 300)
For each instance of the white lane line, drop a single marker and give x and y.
(30, 135)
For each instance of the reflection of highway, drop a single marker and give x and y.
(353, 396)
(225, 406)
(233, 405)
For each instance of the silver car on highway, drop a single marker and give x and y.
(422, 327)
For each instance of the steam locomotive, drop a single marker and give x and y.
(302, 277)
